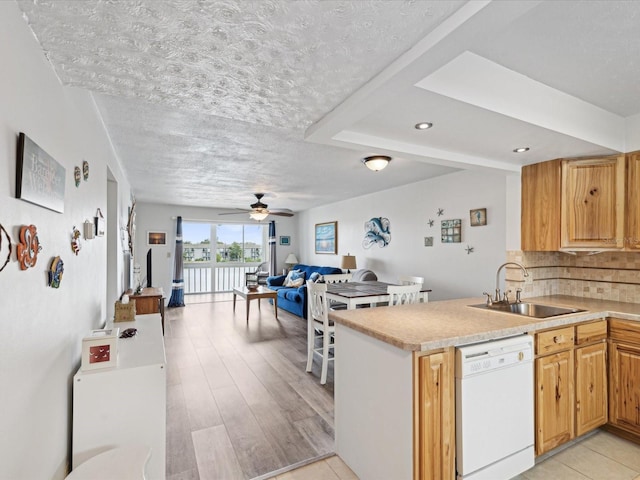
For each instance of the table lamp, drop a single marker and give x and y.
(291, 261)
(348, 262)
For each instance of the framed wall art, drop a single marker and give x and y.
(451, 231)
(478, 217)
(326, 237)
(99, 223)
(156, 238)
(39, 178)
(285, 240)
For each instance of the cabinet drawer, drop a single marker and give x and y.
(591, 332)
(554, 340)
(624, 331)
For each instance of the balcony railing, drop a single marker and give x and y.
(201, 277)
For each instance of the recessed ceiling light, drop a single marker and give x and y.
(521, 150)
(423, 125)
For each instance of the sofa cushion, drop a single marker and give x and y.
(295, 278)
(292, 294)
(315, 277)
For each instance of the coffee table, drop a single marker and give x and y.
(257, 294)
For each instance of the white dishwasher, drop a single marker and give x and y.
(494, 409)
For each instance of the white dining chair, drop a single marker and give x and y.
(318, 327)
(407, 280)
(404, 294)
(337, 278)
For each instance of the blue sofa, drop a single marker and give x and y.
(292, 299)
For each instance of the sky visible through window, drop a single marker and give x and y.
(227, 233)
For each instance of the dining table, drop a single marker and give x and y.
(364, 293)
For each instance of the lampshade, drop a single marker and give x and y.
(258, 215)
(376, 162)
(291, 259)
(348, 262)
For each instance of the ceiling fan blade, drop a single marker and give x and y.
(239, 212)
(282, 214)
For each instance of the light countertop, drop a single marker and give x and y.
(433, 325)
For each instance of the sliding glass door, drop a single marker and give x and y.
(220, 265)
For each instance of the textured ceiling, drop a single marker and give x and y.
(207, 101)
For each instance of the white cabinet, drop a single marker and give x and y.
(124, 405)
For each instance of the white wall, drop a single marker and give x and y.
(42, 327)
(156, 217)
(448, 270)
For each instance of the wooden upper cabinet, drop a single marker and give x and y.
(633, 201)
(593, 201)
(541, 188)
(579, 204)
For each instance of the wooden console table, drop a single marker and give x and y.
(150, 300)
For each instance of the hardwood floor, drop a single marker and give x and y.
(239, 403)
(241, 406)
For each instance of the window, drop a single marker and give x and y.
(240, 243)
(235, 243)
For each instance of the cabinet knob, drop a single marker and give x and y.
(558, 339)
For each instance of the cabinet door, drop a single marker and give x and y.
(554, 400)
(591, 387)
(593, 200)
(540, 224)
(625, 387)
(633, 201)
(435, 428)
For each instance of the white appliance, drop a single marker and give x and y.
(494, 409)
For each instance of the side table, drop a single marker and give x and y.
(150, 300)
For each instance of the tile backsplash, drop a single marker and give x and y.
(606, 275)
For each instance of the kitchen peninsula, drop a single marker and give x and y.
(394, 374)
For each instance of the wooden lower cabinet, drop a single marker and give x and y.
(434, 416)
(571, 383)
(591, 387)
(625, 386)
(554, 400)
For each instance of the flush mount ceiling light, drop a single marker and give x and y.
(521, 150)
(376, 162)
(423, 125)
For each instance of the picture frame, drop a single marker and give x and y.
(326, 238)
(99, 223)
(156, 238)
(285, 240)
(39, 178)
(478, 217)
(451, 231)
(100, 349)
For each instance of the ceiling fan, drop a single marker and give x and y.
(259, 210)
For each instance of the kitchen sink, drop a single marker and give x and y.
(533, 310)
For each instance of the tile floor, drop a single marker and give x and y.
(601, 456)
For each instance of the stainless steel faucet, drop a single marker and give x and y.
(497, 294)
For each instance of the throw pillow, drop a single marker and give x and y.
(295, 278)
(315, 277)
(287, 279)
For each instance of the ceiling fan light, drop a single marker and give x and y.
(258, 215)
(376, 162)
